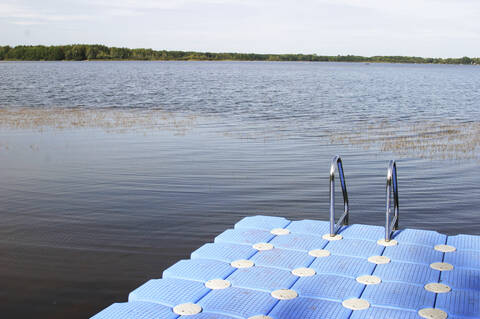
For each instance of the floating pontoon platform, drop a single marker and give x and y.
(273, 268)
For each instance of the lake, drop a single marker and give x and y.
(113, 171)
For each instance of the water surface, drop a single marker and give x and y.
(112, 171)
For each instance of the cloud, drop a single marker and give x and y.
(25, 15)
(136, 5)
(31, 12)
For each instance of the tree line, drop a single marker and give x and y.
(81, 52)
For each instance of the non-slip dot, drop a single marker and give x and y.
(216, 284)
(242, 263)
(260, 317)
(369, 280)
(284, 294)
(441, 266)
(187, 309)
(379, 260)
(332, 238)
(319, 253)
(445, 248)
(280, 231)
(303, 272)
(437, 288)
(432, 313)
(263, 246)
(383, 242)
(356, 304)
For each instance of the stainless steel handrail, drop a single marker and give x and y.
(392, 189)
(343, 220)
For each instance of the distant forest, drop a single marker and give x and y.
(81, 52)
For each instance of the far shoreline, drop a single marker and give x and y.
(243, 61)
(97, 52)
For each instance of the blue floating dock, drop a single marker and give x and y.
(273, 268)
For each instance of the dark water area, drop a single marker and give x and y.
(91, 210)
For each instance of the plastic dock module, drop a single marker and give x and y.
(273, 268)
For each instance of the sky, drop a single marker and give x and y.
(428, 28)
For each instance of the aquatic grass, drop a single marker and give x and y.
(108, 119)
(446, 140)
(433, 139)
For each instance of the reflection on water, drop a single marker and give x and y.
(111, 172)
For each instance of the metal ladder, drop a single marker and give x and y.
(392, 196)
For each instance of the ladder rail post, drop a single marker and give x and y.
(391, 189)
(343, 220)
(332, 200)
(395, 194)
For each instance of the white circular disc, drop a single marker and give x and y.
(303, 272)
(379, 260)
(280, 231)
(284, 294)
(263, 246)
(217, 284)
(332, 238)
(319, 253)
(445, 248)
(187, 309)
(356, 304)
(437, 288)
(260, 317)
(432, 313)
(242, 263)
(441, 266)
(383, 242)
(369, 280)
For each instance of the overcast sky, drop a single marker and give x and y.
(436, 28)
